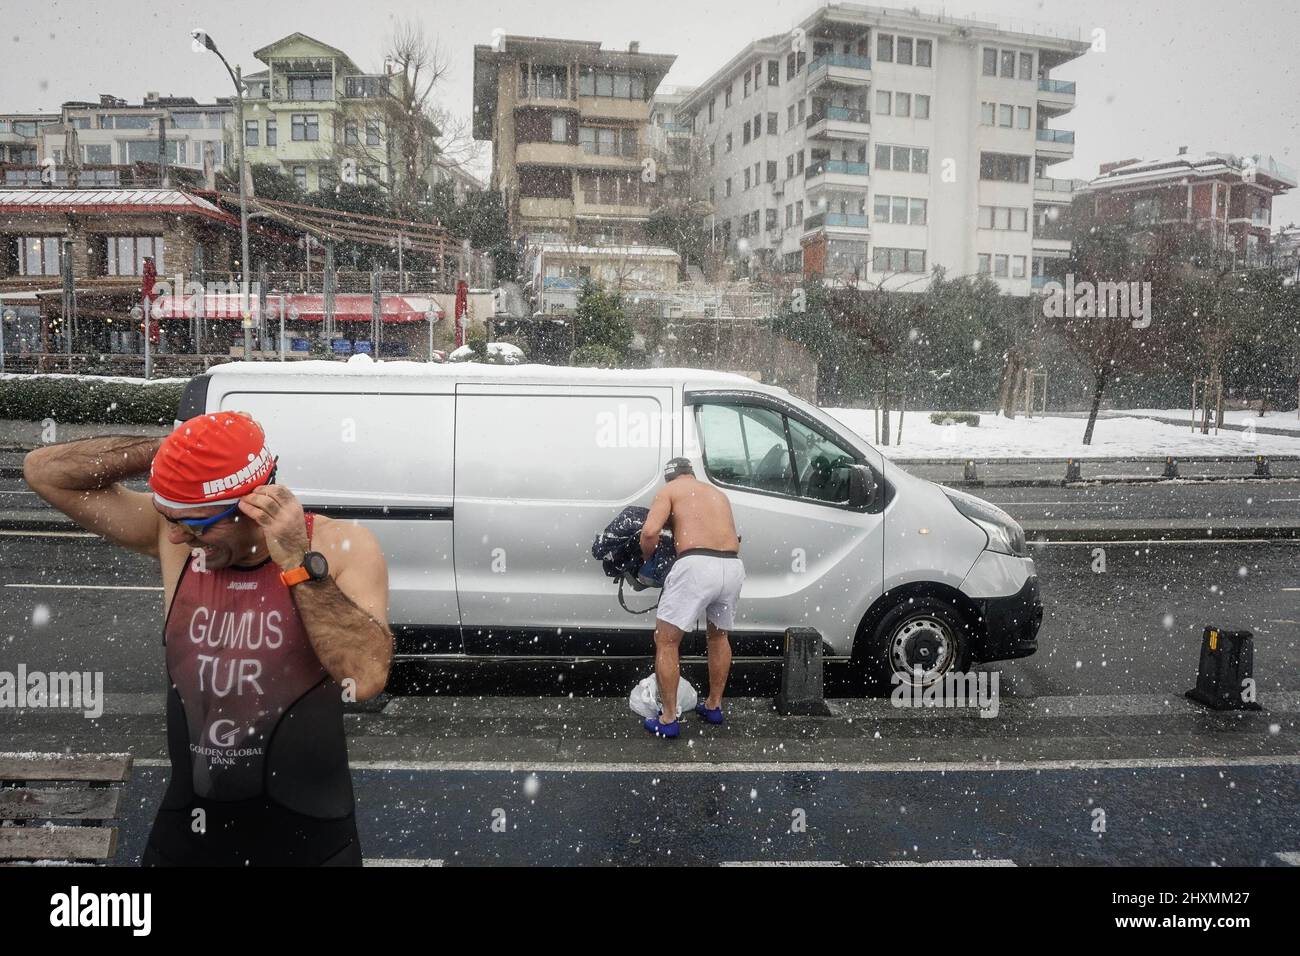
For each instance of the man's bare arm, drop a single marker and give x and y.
(346, 614)
(660, 511)
(80, 478)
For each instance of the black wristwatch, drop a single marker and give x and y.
(314, 567)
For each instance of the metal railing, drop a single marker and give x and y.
(1055, 136)
(1056, 86)
(844, 114)
(817, 221)
(1049, 184)
(850, 60)
(836, 166)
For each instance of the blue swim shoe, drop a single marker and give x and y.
(713, 716)
(662, 730)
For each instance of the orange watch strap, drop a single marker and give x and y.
(296, 576)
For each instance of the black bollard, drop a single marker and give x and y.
(801, 675)
(1227, 660)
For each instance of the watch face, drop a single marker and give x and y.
(316, 565)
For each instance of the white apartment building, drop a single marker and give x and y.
(872, 144)
(113, 132)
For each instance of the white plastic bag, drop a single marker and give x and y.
(644, 699)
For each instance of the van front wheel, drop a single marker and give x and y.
(917, 641)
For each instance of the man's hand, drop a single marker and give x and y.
(279, 514)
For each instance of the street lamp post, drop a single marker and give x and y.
(203, 41)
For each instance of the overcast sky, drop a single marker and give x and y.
(1200, 73)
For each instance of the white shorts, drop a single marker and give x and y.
(702, 583)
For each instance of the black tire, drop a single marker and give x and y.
(923, 631)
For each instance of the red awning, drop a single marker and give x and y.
(348, 307)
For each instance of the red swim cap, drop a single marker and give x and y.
(210, 459)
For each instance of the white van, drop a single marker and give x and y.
(486, 485)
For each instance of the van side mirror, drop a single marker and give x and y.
(862, 486)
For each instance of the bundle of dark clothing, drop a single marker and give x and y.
(618, 549)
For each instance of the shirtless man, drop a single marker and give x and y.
(707, 576)
(272, 617)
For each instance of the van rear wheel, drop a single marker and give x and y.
(917, 641)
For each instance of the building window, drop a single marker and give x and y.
(251, 130)
(271, 132)
(126, 254)
(798, 162)
(39, 256)
(789, 117)
(601, 83)
(988, 111)
(713, 155)
(746, 177)
(904, 51)
(771, 170)
(773, 72)
(884, 102)
(1017, 267)
(608, 140)
(1008, 64)
(1000, 266)
(924, 49)
(306, 127)
(802, 110)
(990, 62)
(1003, 218)
(985, 264)
(773, 119)
(726, 97)
(769, 219)
(903, 104)
(745, 91)
(902, 159)
(744, 132)
(372, 132)
(1026, 66)
(897, 260)
(727, 145)
(789, 166)
(1004, 167)
(1024, 117)
(922, 106)
(310, 88)
(712, 104)
(300, 177)
(350, 137)
(885, 47)
(545, 82)
(726, 187)
(1006, 115)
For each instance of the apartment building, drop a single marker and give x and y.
(311, 109)
(21, 138)
(568, 125)
(873, 144)
(102, 139)
(1227, 197)
(671, 142)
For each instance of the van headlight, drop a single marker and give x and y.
(1005, 535)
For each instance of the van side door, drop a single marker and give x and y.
(811, 559)
(540, 471)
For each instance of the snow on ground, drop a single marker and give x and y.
(1288, 420)
(117, 379)
(1054, 437)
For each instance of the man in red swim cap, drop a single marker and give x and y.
(272, 619)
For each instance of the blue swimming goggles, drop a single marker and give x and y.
(200, 525)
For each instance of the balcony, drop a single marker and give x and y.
(834, 172)
(612, 107)
(1049, 189)
(840, 122)
(842, 69)
(546, 154)
(1055, 96)
(1055, 144)
(853, 224)
(366, 87)
(531, 207)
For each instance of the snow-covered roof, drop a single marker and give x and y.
(363, 366)
(643, 252)
(1193, 165)
(173, 201)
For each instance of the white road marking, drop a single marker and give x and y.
(915, 766)
(1291, 858)
(971, 862)
(48, 534)
(402, 862)
(1122, 541)
(89, 587)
